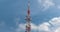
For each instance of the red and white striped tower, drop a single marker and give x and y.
(28, 20)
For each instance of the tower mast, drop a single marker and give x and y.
(28, 20)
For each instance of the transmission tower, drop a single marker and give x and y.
(28, 19)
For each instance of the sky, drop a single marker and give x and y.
(45, 15)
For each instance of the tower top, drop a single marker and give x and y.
(28, 8)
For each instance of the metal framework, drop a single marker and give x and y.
(28, 19)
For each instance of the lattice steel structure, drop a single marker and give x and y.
(28, 19)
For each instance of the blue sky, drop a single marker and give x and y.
(44, 13)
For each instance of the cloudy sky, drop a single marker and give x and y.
(45, 15)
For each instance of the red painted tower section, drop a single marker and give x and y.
(28, 20)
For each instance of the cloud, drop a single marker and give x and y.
(58, 30)
(44, 27)
(33, 26)
(45, 4)
(55, 21)
(22, 27)
(52, 25)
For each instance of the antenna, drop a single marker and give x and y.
(28, 20)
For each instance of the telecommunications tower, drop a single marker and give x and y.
(28, 19)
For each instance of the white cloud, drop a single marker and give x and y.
(46, 3)
(55, 21)
(20, 27)
(33, 26)
(58, 30)
(44, 27)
